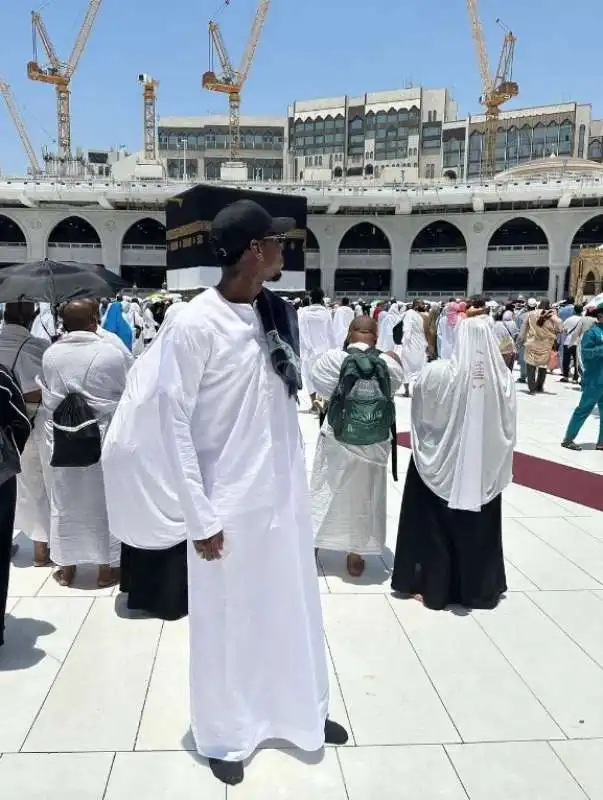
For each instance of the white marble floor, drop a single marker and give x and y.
(502, 705)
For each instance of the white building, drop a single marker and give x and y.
(514, 234)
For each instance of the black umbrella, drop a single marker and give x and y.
(55, 282)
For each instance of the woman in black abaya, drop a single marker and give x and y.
(463, 421)
(14, 432)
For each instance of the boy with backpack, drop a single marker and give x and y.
(349, 477)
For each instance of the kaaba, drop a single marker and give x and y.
(189, 216)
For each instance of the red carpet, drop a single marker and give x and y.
(567, 483)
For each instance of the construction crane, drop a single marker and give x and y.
(496, 90)
(149, 93)
(58, 73)
(13, 110)
(232, 81)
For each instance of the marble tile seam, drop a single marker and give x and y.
(423, 667)
(559, 552)
(54, 680)
(563, 735)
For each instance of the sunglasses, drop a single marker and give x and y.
(277, 237)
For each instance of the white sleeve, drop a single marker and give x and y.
(396, 373)
(326, 370)
(184, 354)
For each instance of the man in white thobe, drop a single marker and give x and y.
(349, 483)
(412, 348)
(230, 432)
(316, 336)
(342, 319)
(22, 352)
(82, 362)
(390, 319)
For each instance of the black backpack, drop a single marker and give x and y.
(76, 433)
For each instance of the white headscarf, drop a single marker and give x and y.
(463, 421)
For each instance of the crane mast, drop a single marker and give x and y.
(59, 74)
(496, 90)
(149, 93)
(13, 110)
(232, 81)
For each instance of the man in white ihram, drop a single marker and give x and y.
(229, 428)
(316, 336)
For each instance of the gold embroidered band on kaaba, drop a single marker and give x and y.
(188, 235)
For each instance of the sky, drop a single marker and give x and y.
(309, 49)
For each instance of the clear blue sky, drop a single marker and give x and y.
(310, 48)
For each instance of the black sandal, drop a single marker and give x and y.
(571, 446)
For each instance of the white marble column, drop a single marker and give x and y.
(556, 282)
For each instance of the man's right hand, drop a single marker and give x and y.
(210, 549)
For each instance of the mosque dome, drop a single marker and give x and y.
(553, 168)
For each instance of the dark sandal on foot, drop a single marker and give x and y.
(229, 772)
(571, 446)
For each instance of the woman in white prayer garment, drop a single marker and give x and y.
(463, 432)
(349, 482)
(412, 345)
(227, 385)
(316, 336)
(342, 318)
(153, 535)
(82, 362)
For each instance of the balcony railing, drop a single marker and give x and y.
(76, 245)
(13, 244)
(365, 252)
(144, 247)
(517, 248)
(439, 250)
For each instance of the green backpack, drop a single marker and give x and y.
(361, 409)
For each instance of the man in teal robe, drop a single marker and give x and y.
(592, 384)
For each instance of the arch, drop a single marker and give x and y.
(74, 230)
(595, 149)
(590, 284)
(337, 172)
(146, 231)
(365, 236)
(368, 170)
(438, 235)
(11, 232)
(590, 233)
(518, 231)
(311, 241)
(450, 174)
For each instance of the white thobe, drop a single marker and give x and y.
(316, 336)
(113, 338)
(231, 436)
(413, 350)
(342, 319)
(79, 529)
(447, 336)
(23, 353)
(386, 329)
(349, 483)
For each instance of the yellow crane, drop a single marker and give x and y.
(232, 81)
(13, 110)
(149, 93)
(496, 90)
(58, 73)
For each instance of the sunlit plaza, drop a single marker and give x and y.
(485, 705)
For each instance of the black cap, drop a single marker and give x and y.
(237, 225)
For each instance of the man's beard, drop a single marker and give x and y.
(276, 278)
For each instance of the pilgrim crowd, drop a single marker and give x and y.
(183, 478)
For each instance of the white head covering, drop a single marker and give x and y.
(463, 421)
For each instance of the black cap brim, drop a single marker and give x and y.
(281, 225)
